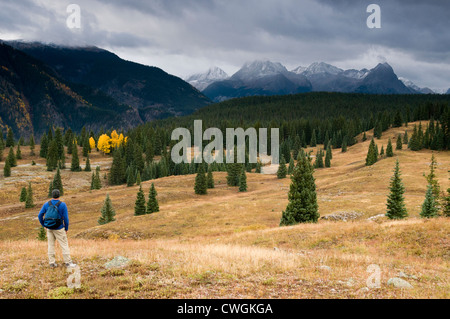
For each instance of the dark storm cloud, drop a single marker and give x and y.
(187, 36)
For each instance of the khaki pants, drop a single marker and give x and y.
(61, 237)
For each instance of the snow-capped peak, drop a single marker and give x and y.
(321, 67)
(258, 69)
(202, 80)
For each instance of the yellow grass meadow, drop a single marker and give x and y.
(228, 244)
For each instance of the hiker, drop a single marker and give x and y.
(55, 218)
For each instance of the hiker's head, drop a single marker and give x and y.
(55, 193)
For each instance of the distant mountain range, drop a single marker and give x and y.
(47, 85)
(269, 78)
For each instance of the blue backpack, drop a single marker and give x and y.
(52, 219)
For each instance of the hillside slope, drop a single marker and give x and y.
(228, 244)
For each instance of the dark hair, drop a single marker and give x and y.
(55, 193)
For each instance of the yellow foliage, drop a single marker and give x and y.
(116, 139)
(92, 143)
(104, 144)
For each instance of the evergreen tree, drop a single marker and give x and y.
(32, 145)
(398, 121)
(344, 145)
(319, 160)
(107, 212)
(382, 150)
(44, 147)
(210, 178)
(11, 158)
(29, 203)
(139, 207)
(200, 186)
(86, 146)
(328, 157)
(118, 171)
(87, 167)
(7, 169)
(282, 171)
(302, 206)
(364, 137)
(18, 152)
(313, 142)
(389, 149)
(243, 181)
(23, 195)
(10, 138)
(152, 204)
(96, 182)
(372, 154)
(432, 180)
(429, 206)
(52, 156)
(399, 142)
(131, 176)
(75, 165)
(395, 203)
(59, 143)
(446, 208)
(57, 182)
(138, 178)
(42, 234)
(405, 138)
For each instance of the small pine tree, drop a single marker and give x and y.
(42, 234)
(57, 182)
(389, 149)
(372, 154)
(399, 143)
(344, 145)
(32, 145)
(50, 190)
(29, 203)
(319, 160)
(446, 208)
(364, 138)
(75, 166)
(432, 180)
(405, 138)
(200, 186)
(302, 206)
(97, 181)
(282, 171)
(382, 150)
(210, 178)
(328, 157)
(395, 202)
(18, 152)
(429, 206)
(44, 146)
(7, 169)
(138, 178)
(87, 167)
(243, 181)
(52, 156)
(23, 195)
(107, 212)
(139, 207)
(10, 138)
(152, 203)
(11, 158)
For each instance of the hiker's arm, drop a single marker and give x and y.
(41, 215)
(65, 216)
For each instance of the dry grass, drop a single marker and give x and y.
(228, 244)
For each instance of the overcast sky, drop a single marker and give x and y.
(189, 36)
